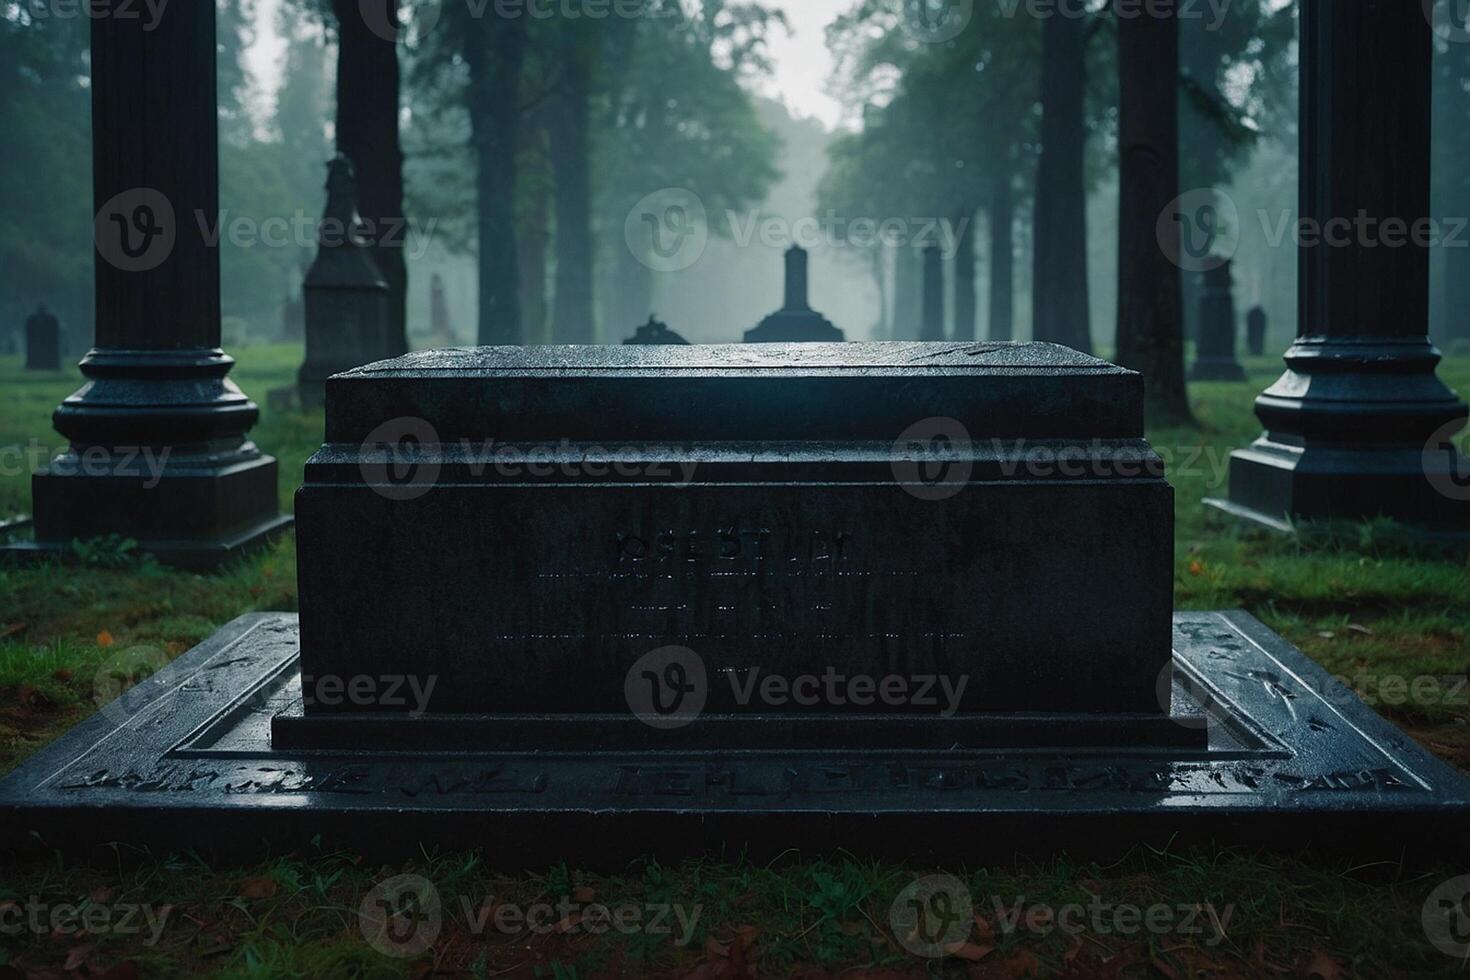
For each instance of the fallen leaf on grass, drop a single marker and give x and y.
(583, 894)
(1325, 966)
(76, 958)
(258, 887)
(64, 675)
(1022, 963)
(104, 639)
(972, 952)
(1196, 568)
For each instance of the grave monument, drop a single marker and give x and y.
(43, 341)
(543, 605)
(907, 599)
(1215, 354)
(346, 297)
(655, 331)
(796, 321)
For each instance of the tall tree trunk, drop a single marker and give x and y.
(1150, 295)
(1002, 255)
(494, 51)
(367, 134)
(1059, 278)
(533, 230)
(964, 276)
(571, 162)
(906, 293)
(884, 327)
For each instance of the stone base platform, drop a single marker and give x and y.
(1275, 753)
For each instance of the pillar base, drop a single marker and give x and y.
(1357, 428)
(158, 456)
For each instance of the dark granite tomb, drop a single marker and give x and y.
(43, 341)
(796, 321)
(492, 542)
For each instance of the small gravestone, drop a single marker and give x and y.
(796, 322)
(346, 296)
(43, 341)
(932, 327)
(1215, 354)
(655, 331)
(1255, 332)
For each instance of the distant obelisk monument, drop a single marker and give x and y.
(796, 322)
(345, 294)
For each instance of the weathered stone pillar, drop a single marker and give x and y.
(1359, 425)
(158, 433)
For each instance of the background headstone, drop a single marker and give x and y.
(1255, 332)
(1215, 354)
(346, 296)
(43, 341)
(655, 331)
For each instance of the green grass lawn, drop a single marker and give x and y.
(1365, 601)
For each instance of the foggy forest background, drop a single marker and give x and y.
(630, 106)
